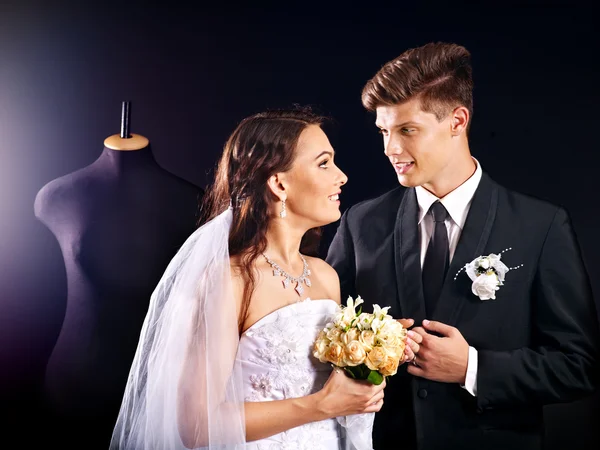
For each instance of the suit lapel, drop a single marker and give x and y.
(471, 244)
(407, 256)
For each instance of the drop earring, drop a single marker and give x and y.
(282, 213)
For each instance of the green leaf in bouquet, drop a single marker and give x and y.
(364, 371)
(375, 377)
(350, 372)
(357, 372)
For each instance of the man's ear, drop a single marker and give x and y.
(276, 184)
(459, 120)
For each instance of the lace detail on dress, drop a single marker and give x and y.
(311, 436)
(277, 361)
(261, 385)
(288, 346)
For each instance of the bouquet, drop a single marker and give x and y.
(368, 347)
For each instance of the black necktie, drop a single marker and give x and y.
(435, 265)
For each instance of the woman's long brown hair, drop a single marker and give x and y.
(261, 146)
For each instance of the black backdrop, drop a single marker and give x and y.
(192, 73)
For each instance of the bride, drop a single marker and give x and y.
(225, 353)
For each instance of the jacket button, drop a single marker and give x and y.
(422, 393)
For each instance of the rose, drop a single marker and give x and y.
(389, 340)
(349, 336)
(391, 328)
(392, 334)
(487, 273)
(334, 334)
(390, 366)
(320, 347)
(354, 354)
(488, 264)
(376, 358)
(392, 343)
(367, 339)
(335, 354)
(485, 286)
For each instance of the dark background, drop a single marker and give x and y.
(192, 73)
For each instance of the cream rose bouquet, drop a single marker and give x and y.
(368, 346)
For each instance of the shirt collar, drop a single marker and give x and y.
(456, 202)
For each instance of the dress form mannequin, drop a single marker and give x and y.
(118, 222)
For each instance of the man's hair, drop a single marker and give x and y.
(438, 74)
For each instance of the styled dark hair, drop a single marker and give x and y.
(261, 146)
(438, 74)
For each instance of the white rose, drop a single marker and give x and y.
(485, 286)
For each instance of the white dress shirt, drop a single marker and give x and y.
(457, 203)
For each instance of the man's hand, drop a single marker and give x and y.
(442, 358)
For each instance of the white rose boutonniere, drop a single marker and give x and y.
(487, 273)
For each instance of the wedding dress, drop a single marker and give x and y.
(276, 357)
(192, 367)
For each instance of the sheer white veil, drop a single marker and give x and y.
(185, 387)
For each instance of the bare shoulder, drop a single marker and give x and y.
(326, 275)
(237, 280)
(322, 266)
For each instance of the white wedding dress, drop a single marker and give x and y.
(277, 362)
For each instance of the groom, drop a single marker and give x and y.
(487, 363)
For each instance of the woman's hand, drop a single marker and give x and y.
(343, 396)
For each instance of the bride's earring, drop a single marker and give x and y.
(282, 213)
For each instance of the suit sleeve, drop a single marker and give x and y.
(341, 257)
(561, 364)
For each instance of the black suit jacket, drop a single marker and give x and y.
(537, 342)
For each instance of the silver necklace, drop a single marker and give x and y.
(287, 278)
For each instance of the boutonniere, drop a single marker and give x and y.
(487, 274)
